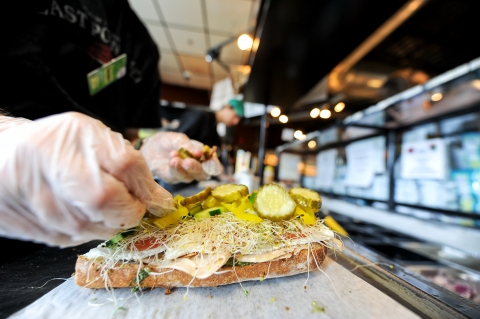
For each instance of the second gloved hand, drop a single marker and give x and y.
(161, 153)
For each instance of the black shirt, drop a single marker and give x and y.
(198, 124)
(52, 45)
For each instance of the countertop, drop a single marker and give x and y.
(332, 293)
(39, 284)
(28, 271)
(35, 276)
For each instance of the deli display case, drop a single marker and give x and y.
(401, 178)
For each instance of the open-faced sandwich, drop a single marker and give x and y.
(215, 237)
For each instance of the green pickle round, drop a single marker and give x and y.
(273, 202)
(229, 192)
(306, 198)
(197, 198)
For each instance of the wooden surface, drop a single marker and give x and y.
(339, 292)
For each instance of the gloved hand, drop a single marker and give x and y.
(161, 153)
(68, 179)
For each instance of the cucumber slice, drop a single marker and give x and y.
(197, 198)
(215, 212)
(273, 202)
(194, 209)
(229, 192)
(252, 197)
(306, 198)
(210, 212)
(119, 237)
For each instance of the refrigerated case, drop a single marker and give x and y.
(403, 178)
(409, 153)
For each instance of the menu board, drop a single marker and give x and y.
(326, 168)
(425, 159)
(288, 169)
(361, 163)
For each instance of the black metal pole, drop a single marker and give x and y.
(391, 155)
(276, 178)
(261, 146)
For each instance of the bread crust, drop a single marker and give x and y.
(87, 272)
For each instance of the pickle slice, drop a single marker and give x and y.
(206, 149)
(273, 202)
(229, 192)
(207, 153)
(306, 198)
(197, 198)
(184, 153)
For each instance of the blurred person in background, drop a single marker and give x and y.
(202, 124)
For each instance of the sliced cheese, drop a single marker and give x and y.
(199, 266)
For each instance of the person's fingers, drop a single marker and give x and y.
(106, 200)
(119, 207)
(139, 181)
(87, 213)
(160, 168)
(178, 171)
(66, 224)
(194, 168)
(130, 168)
(213, 166)
(193, 146)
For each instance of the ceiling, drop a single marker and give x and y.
(185, 29)
(303, 41)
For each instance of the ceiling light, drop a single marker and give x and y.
(436, 97)
(350, 77)
(255, 44)
(275, 112)
(298, 134)
(375, 83)
(412, 6)
(338, 108)
(245, 42)
(212, 54)
(186, 75)
(283, 118)
(314, 113)
(325, 114)
(312, 144)
(302, 137)
(476, 84)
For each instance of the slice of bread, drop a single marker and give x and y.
(87, 272)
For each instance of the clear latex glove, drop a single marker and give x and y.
(213, 166)
(68, 179)
(161, 153)
(7, 122)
